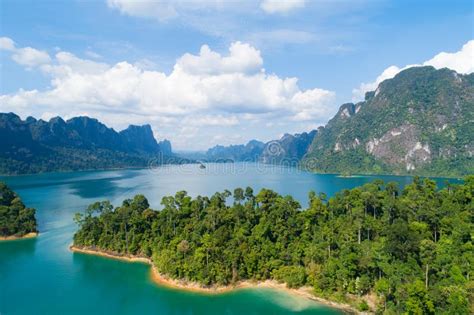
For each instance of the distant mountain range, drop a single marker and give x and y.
(31, 146)
(242, 152)
(289, 150)
(419, 122)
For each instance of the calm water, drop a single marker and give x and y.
(41, 276)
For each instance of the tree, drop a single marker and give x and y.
(15, 218)
(373, 238)
(382, 288)
(183, 247)
(418, 302)
(427, 252)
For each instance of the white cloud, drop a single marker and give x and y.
(162, 10)
(146, 64)
(359, 93)
(208, 89)
(306, 101)
(7, 44)
(461, 61)
(30, 57)
(165, 10)
(266, 24)
(27, 56)
(67, 64)
(242, 58)
(92, 54)
(281, 6)
(211, 120)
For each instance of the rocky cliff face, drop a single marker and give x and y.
(140, 138)
(80, 143)
(165, 147)
(421, 121)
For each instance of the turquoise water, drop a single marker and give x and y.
(41, 276)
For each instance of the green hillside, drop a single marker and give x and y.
(419, 122)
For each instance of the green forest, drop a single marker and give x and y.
(410, 250)
(419, 100)
(15, 218)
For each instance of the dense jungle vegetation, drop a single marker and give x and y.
(411, 249)
(15, 218)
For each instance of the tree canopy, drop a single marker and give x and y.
(15, 218)
(410, 248)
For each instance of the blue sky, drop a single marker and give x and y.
(269, 67)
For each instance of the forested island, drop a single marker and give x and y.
(376, 246)
(16, 220)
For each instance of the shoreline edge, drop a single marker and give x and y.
(163, 280)
(17, 238)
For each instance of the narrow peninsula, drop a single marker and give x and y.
(16, 220)
(374, 248)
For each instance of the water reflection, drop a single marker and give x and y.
(83, 184)
(95, 188)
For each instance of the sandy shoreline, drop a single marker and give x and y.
(14, 237)
(157, 277)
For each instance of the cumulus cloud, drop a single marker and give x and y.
(7, 44)
(68, 64)
(306, 100)
(242, 58)
(461, 61)
(281, 6)
(204, 89)
(26, 56)
(30, 57)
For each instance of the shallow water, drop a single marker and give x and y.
(41, 276)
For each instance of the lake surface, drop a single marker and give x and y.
(41, 276)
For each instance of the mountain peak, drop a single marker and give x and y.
(140, 138)
(413, 123)
(80, 142)
(55, 120)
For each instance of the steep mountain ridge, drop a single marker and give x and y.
(32, 145)
(140, 138)
(419, 122)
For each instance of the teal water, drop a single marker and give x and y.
(41, 276)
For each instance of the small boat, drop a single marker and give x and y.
(201, 166)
